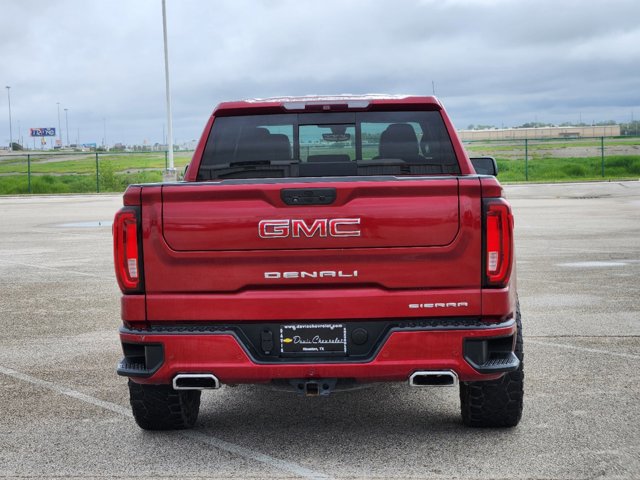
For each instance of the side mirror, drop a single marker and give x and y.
(485, 165)
(184, 172)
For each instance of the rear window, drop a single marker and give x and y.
(328, 144)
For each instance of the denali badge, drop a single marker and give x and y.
(320, 274)
(321, 227)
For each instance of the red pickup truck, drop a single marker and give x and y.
(316, 244)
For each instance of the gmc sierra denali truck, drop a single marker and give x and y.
(316, 244)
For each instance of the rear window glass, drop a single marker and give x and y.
(328, 144)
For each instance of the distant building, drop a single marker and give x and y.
(540, 133)
(191, 145)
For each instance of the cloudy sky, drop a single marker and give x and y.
(499, 62)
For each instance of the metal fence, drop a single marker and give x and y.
(562, 159)
(82, 172)
(566, 159)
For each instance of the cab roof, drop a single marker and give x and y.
(328, 103)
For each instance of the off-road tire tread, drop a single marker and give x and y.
(160, 407)
(496, 403)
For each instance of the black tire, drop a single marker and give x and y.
(160, 407)
(496, 403)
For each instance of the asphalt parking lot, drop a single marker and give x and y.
(64, 412)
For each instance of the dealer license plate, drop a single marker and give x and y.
(313, 339)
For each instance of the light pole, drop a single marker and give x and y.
(10, 130)
(171, 171)
(59, 128)
(66, 123)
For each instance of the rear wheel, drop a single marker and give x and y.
(496, 403)
(160, 407)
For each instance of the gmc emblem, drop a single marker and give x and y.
(321, 227)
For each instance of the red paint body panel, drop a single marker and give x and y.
(133, 308)
(419, 255)
(317, 304)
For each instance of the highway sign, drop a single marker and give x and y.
(42, 132)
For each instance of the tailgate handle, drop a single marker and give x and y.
(308, 196)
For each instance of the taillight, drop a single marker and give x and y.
(498, 242)
(126, 251)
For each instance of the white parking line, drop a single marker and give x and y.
(592, 264)
(247, 453)
(66, 391)
(54, 269)
(584, 349)
(257, 456)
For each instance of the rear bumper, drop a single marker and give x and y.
(474, 352)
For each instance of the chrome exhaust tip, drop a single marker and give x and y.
(195, 381)
(433, 378)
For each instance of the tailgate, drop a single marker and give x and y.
(363, 215)
(375, 251)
